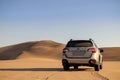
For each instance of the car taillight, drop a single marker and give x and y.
(65, 50)
(93, 50)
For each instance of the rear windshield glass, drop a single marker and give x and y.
(79, 44)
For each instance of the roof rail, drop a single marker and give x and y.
(91, 39)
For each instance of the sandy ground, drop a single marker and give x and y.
(48, 69)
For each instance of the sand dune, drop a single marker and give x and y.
(47, 49)
(12, 52)
(41, 49)
(112, 54)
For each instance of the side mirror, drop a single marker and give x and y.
(101, 50)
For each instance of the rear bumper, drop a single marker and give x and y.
(79, 61)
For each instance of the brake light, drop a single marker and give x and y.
(93, 50)
(65, 50)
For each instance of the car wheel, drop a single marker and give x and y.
(97, 67)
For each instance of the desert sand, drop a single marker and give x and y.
(48, 69)
(41, 60)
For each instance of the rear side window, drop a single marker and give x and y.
(79, 44)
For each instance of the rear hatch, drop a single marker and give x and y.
(79, 49)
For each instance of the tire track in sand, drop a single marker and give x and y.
(96, 74)
(74, 75)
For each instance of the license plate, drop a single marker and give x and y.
(80, 53)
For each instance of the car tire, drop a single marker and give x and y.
(97, 67)
(101, 66)
(66, 67)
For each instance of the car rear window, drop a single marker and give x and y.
(79, 44)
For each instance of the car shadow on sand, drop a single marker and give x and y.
(43, 69)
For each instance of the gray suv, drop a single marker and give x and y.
(82, 53)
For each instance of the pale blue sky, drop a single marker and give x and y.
(60, 20)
